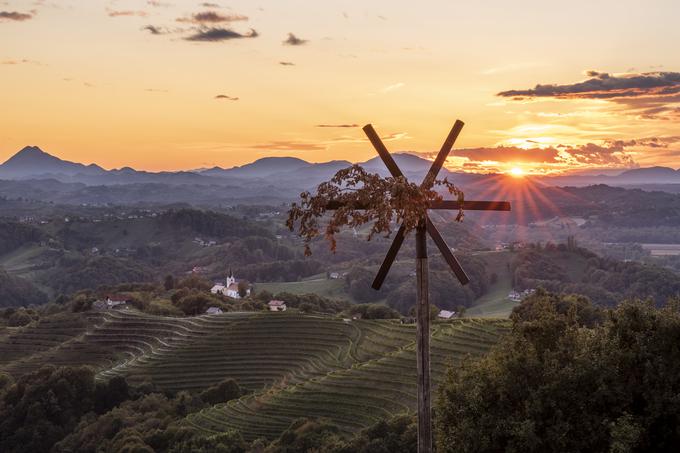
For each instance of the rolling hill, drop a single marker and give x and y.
(351, 371)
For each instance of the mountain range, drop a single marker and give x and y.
(32, 163)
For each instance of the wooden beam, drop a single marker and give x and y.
(382, 151)
(442, 155)
(471, 205)
(423, 345)
(389, 258)
(445, 204)
(451, 260)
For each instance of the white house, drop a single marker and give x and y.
(445, 314)
(229, 288)
(277, 305)
(109, 303)
(214, 311)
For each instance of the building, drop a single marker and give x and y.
(445, 314)
(277, 305)
(229, 287)
(109, 303)
(214, 311)
(517, 296)
(334, 275)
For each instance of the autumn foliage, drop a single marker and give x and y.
(357, 197)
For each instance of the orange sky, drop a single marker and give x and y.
(135, 82)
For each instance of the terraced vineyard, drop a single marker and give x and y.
(353, 372)
(355, 397)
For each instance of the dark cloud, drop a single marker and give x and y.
(126, 13)
(210, 5)
(154, 30)
(286, 63)
(225, 97)
(212, 17)
(215, 34)
(293, 40)
(337, 125)
(158, 4)
(602, 85)
(15, 16)
(609, 154)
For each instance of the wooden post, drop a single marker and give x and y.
(423, 343)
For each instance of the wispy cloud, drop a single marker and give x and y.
(290, 145)
(212, 17)
(215, 34)
(15, 16)
(394, 86)
(337, 125)
(286, 63)
(293, 40)
(224, 97)
(126, 13)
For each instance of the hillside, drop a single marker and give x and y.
(353, 372)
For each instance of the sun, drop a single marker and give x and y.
(517, 172)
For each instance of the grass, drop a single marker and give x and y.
(495, 303)
(334, 289)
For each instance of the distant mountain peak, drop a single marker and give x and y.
(31, 160)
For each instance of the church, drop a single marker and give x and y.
(229, 287)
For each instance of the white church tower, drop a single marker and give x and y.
(230, 279)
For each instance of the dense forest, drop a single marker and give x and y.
(577, 270)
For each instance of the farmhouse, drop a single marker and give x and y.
(277, 305)
(214, 311)
(229, 287)
(445, 314)
(109, 303)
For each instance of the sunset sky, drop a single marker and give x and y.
(170, 84)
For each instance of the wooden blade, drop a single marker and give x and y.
(445, 204)
(446, 253)
(382, 151)
(443, 154)
(471, 205)
(389, 258)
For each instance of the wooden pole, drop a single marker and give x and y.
(423, 343)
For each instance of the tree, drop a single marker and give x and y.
(243, 288)
(568, 387)
(364, 198)
(169, 282)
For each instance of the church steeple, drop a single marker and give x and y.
(230, 278)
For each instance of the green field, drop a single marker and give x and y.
(334, 289)
(495, 303)
(293, 365)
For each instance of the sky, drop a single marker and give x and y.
(544, 87)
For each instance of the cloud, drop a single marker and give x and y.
(212, 17)
(210, 5)
(126, 13)
(290, 145)
(602, 85)
(225, 97)
(15, 16)
(216, 34)
(337, 125)
(392, 87)
(612, 154)
(22, 61)
(286, 63)
(158, 4)
(155, 30)
(293, 40)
